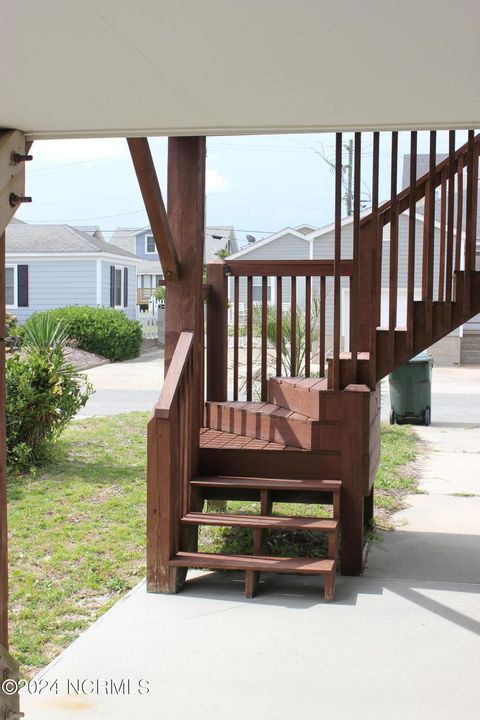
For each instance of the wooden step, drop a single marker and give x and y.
(262, 483)
(286, 490)
(262, 522)
(308, 396)
(261, 563)
(266, 421)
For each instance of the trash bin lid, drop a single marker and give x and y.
(422, 357)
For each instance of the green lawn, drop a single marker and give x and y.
(77, 529)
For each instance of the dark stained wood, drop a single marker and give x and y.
(293, 326)
(268, 483)
(450, 225)
(302, 566)
(171, 463)
(459, 219)
(217, 332)
(249, 385)
(287, 268)
(279, 334)
(412, 224)
(323, 299)
(308, 322)
(429, 234)
(236, 301)
(354, 283)
(263, 369)
(356, 414)
(262, 521)
(393, 285)
(3, 463)
(470, 222)
(337, 260)
(154, 206)
(443, 233)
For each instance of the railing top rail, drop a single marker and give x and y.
(174, 375)
(286, 268)
(403, 198)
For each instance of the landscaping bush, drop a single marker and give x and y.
(102, 331)
(43, 393)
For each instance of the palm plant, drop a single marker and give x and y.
(42, 333)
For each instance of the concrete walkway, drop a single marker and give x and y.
(126, 386)
(400, 642)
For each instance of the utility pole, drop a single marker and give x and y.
(347, 174)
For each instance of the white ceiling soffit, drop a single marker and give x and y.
(74, 68)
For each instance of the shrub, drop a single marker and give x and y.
(43, 393)
(103, 331)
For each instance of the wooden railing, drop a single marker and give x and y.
(172, 445)
(270, 317)
(446, 198)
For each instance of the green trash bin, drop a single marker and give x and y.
(411, 391)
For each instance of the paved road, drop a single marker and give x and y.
(122, 387)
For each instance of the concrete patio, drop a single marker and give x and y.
(404, 638)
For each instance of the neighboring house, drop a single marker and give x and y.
(49, 266)
(304, 243)
(140, 242)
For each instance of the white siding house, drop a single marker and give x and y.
(50, 266)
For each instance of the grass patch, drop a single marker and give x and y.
(463, 494)
(77, 534)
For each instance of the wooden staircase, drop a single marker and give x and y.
(293, 437)
(282, 425)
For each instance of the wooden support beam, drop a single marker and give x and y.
(3, 463)
(186, 215)
(154, 205)
(12, 175)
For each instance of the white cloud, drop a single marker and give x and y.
(215, 182)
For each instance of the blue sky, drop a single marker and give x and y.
(258, 184)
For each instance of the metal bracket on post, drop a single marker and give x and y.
(12, 174)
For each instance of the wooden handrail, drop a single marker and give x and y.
(286, 268)
(174, 375)
(403, 198)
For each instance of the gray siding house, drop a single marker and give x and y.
(141, 243)
(305, 243)
(50, 266)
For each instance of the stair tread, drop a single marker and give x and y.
(262, 408)
(259, 483)
(265, 563)
(262, 521)
(305, 384)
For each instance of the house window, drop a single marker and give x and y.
(257, 289)
(11, 286)
(150, 246)
(158, 279)
(118, 287)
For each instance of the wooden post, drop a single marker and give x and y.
(217, 331)
(3, 463)
(186, 215)
(355, 403)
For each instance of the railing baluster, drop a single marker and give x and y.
(376, 262)
(392, 302)
(458, 230)
(429, 235)
(323, 298)
(412, 224)
(450, 216)
(278, 338)
(308, 320)
(470, 223)
(249, 336)
(443, 230)
(263, 369)
(356, 244)
(236, 309)
(293, 327)
(336, 264)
